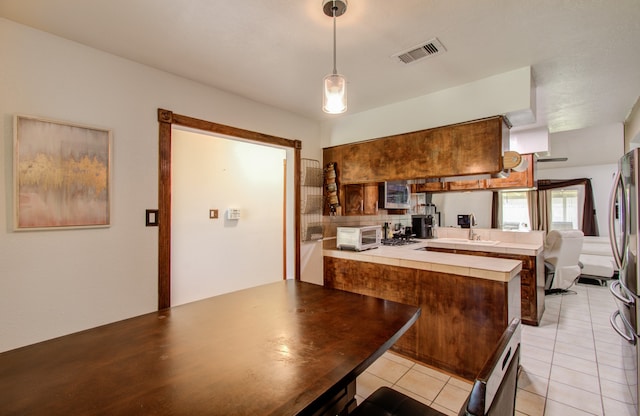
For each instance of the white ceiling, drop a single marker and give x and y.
(585, 54)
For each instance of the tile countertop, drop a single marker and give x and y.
(529, 243)
(414, 256)
(526, 249)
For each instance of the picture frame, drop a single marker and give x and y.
(62, 175)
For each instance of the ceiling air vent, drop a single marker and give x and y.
(424, 50)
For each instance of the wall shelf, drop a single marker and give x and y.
(311, 200)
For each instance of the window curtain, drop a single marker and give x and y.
(544, 219)
(589, 220)
(534, 214)
(496, 211)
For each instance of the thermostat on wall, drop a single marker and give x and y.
(233, 214)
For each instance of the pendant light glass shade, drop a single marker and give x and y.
(334, 90)
(334, 98)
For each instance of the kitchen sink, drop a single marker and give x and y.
(466, 241)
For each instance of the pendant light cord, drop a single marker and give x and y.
(334, 8)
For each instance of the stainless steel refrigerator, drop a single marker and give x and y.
(624, 234)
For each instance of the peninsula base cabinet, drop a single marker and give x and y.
(462, 317)
(531, 280)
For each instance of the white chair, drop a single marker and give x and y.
(562, 259)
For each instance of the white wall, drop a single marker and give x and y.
(591, 146)
(214, 256)
(57, 282)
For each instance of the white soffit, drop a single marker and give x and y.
(529, 141)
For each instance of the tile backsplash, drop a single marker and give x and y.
(332, 222)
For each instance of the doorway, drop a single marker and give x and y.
(168, 120)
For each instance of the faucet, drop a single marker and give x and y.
(472, 223)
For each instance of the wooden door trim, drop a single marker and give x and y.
(166, 120)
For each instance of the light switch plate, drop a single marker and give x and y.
(151, 218)
(213, 213)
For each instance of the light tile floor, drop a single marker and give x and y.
(571, 364)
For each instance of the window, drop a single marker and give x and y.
(560, 208)
(515, 210)
(565, 209)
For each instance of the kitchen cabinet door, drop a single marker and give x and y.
(361, 199)
(470, 185)
(353, 199)
(439, 186)
(370, 204)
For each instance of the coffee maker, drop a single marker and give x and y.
(423, 226)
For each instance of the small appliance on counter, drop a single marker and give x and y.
(423, 226)
(358, 238)
(400, 236)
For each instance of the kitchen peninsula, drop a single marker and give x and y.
(466, 301)
(526, 247)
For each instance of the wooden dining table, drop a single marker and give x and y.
(286, 348)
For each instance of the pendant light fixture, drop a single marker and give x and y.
(334, 94)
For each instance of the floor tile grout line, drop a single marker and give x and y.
(426, 398)
(595, 352)
(587, 291)
(562, 313)
(413, 364)
(431, 402)
(553, 353)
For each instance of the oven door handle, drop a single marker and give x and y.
(614, 288)
(612, 319)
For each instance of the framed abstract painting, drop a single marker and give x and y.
(62, 175)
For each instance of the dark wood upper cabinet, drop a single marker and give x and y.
(471, 148)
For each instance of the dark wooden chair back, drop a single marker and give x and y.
(493, 392)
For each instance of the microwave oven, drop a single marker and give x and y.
(395, 195)
(358, 238)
